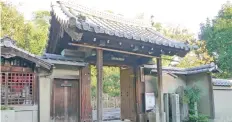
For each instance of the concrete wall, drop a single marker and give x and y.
(223, 103)
(206, 104)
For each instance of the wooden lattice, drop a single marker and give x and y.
(108, 102)
(17, 88)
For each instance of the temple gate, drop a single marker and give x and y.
(102, 38)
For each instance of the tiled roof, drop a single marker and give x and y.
(7, 42)
(222, 82)
(204, 68)
(71, 13)
(59, 59)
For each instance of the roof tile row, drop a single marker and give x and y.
(113, 25)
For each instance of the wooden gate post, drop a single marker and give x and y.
(160, 89)
(99, 84)
(140, 90)
(85, 95)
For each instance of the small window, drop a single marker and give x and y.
(17, 88)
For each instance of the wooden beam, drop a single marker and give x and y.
(160, 90)
(99, 84)
(128, 60)
(118, 51)
(113, 50)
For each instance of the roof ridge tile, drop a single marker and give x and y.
(101, 14)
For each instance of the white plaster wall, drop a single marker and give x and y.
(27, 113)
(61, 72)
(151, 83)
(65, 70)
(223, 103)
(7, 116)
(45, 96)
(206, 101)
(171, 83)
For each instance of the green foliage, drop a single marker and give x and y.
(181, 34)
(93, 80)
(11, 22)
(41, 20)
(177, 33)
(199, 118)
(158, 27)
(111, 85)
(3, 107)
(30, 35)
(193, 58)
(166, 60)
(196, 57)
(217, 34)
(109, 11)
(170, 32)
(111, 78)
(191, 96)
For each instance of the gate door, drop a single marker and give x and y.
(65, 101)
(127, 85)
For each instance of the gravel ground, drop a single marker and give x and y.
(108, 114)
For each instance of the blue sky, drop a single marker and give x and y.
(185, 13)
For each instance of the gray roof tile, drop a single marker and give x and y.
(59, 59)
(102, 22)
(7, 42)
(203, 68)
(222, 82)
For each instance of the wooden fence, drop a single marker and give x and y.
(108, 102)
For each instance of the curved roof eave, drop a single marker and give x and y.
(8, 43)
(95, 21)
